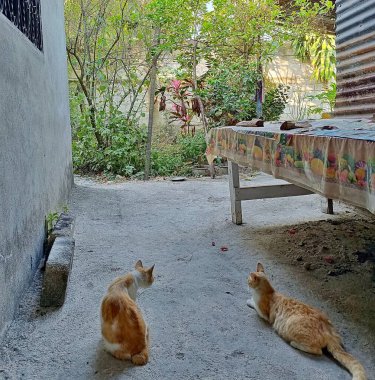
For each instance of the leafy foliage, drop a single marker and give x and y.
(183, 104)
(124, 141)
(275, 101)
(193, 147)
(51, 220)
(327, 98)
(178, 158)
(229, 95)
(320, 50)
(113, 47)
(167, 160)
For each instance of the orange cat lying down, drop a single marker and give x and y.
(303, 326)
(125, 333)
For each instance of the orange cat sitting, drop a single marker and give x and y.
(303, 326)
(124, 331)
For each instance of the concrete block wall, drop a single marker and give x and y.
(35, 148)
(286, 69)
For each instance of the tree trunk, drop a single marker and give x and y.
(152, 89)
(259, 91)
(195, 84)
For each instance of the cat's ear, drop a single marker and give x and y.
(260, 268)
(151, 269)
(138, 264)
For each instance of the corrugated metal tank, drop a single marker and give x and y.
(355, 44)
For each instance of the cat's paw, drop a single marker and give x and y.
(250, 303)
(140, 359)
(121, 355)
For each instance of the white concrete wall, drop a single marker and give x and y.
(286, 69)
(35, 148)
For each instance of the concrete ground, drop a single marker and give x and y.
(200, 325)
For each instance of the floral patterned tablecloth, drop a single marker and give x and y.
(338, 163)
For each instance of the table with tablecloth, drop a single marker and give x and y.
(334, 158)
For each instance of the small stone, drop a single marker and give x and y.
(301, 243)
(334, 222)
(237, 353)
(299, 258)
(323, 249)
(360, 252)
(307, 266)
(329, 259)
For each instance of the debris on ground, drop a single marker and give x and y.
(345, 244)
(337, 259)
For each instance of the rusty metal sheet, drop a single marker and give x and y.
(355, 46)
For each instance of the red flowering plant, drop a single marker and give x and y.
(184, 105)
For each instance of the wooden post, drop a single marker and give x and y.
(234, 183)
(330, 206)
(327, 206)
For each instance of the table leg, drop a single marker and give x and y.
(330, 206)
(234, 183)
(211, 168)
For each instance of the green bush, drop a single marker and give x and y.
(193, 148)
(274, 103)
(229, 95)
(167, 160)
(179, 157)
(327, 99)
(123, 152)
(124, 146)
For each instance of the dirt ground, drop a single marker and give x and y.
(337, 259)
(200, 325)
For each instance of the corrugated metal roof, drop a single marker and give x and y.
(355, 46)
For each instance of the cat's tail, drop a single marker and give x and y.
(347, 360)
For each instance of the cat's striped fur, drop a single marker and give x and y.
(301, 325)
